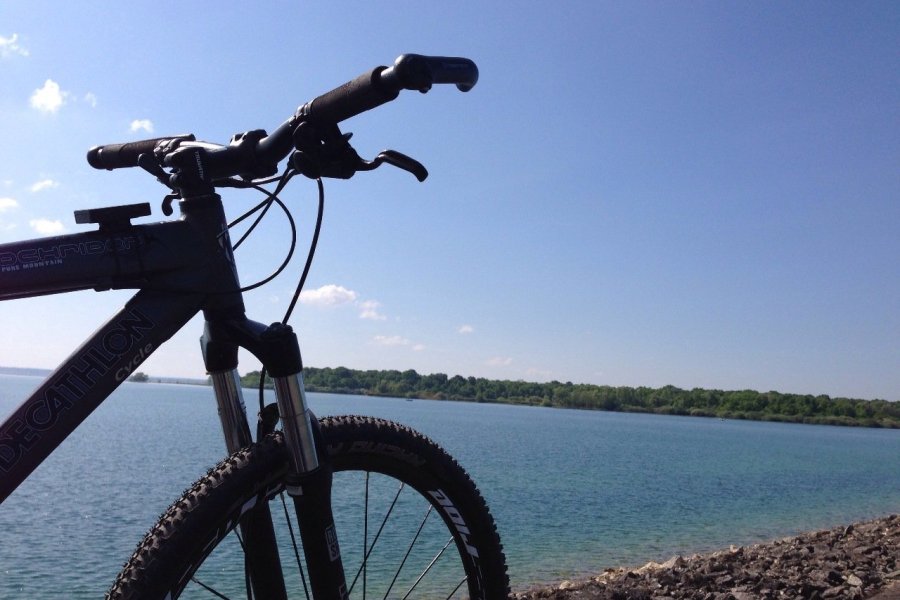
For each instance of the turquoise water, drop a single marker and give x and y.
(572, 491)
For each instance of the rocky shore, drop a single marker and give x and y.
(857, 561)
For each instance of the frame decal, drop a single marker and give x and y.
(42, 412)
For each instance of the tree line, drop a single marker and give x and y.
(668, 400)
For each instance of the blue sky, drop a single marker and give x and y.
(636, 193)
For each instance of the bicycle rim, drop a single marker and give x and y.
(409, 521)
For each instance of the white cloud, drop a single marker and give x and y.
(332, 295)
(369, 310)
(397, 341)
(539, 374)
(7, 204)
(328, 295)
(91, 98)
(142, 125)
(43, 184)
(391, 340)
(49, 98)
(46, 226)
(10, 46)
(499, 361)
(464, 329)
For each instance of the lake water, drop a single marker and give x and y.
(572, 491)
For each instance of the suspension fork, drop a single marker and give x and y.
(257, 532)
(309, 485)
(309, 477)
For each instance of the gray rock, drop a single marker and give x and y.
(844, 563)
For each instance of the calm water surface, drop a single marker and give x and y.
(572, 491)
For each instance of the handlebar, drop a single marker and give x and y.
(116, 156)
(260, 153)
(383, 84)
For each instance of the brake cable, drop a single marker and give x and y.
(287, 259)
(310, 254)
(309, 258)
(271, 198)
(282, 179)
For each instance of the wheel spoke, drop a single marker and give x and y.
(365, 535)
(456, 589)
(377, 535)
(409, 550)
(429, 567)
(287, 518)
(209, 589)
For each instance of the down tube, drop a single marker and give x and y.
(86, 379)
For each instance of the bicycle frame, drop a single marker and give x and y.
(180, 268)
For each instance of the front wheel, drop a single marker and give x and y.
(410, 523)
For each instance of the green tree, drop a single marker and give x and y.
(743, 404)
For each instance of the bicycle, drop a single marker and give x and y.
(185, 266)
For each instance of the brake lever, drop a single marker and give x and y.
(148, 163)
(326, 152)
(396, 159)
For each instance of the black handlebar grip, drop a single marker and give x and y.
(118, 156)
(381, 85)
(461, 71)
(354, 97)
(417, 72)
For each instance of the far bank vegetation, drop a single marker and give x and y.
(668, 400)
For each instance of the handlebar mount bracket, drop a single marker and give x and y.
(113, 218)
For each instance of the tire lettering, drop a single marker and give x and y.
(456, 518)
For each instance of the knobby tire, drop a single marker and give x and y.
(170, 561)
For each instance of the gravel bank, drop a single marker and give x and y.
(854, 562)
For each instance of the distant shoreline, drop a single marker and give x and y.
(30, 372)
(747, 405)
(26, 372)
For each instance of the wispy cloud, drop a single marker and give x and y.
(49, 98)
(369, 310)
(142, 125)
(328, 295)
(397, 341)
(43, 184)
(46, 226)
(10, 46)
(539, 374)
(499, 361)
(465, 329)
(6, 205)
(391, 340)
(91, 99)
